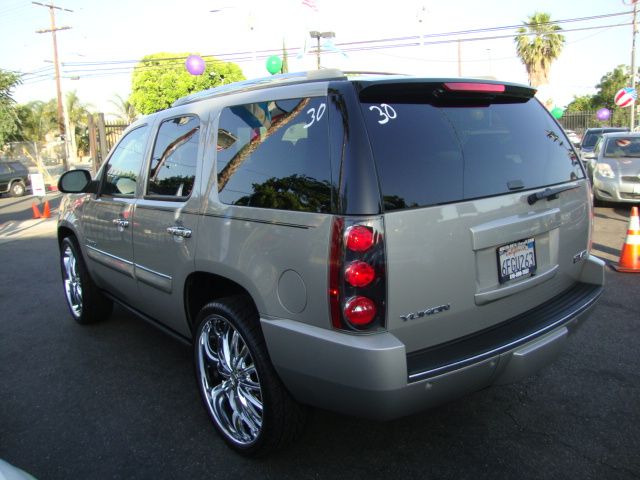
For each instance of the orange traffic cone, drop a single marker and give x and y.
(630, 255)
(36, 212)
(46, 213)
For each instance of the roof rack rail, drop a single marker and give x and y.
(257, 83)
(365, 72)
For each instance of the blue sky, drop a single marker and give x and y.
(118, 30)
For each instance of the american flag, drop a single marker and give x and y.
(312, 4)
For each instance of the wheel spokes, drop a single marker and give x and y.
(72, 283)
(234, 396)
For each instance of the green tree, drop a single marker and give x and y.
(609, 84)
(161, 78)
(8, 113)
(583, 103)
(538, 44)
(36, 120)
(125, 110)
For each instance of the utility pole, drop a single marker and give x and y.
(62, 119)
(633, 62)
(318, 35)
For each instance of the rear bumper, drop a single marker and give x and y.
(372, 375)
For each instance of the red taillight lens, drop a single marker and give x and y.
(474, 87)
(359, 274)
(360, 310)
(359, 238)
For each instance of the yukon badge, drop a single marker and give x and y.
(424, 313)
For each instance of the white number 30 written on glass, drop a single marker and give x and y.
(385, 111)
(315, 115)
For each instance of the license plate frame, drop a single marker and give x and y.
(516, 260)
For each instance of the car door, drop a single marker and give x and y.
(108, 217)
(167, 219)
(5, 174)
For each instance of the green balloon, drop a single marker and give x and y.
(557, 113)
(274, 64)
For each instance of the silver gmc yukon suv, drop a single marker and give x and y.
(370, 244)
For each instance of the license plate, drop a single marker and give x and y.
(516, 260)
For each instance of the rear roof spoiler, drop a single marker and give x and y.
(443, 91)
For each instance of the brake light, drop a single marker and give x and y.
(359, 238)
(474, 87)
(360, 310)
(357, 276)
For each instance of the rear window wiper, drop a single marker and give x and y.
(549, 193)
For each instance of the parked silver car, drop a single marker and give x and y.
(614, 167)
(373, 245)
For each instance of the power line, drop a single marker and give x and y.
(118, 67)
(415, 38)
(509, 27)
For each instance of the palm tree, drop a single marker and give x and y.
(125, 110)
(36, 120)
(538, 44)
(77, 112)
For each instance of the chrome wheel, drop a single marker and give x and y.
(229, 381)
(18, 189)
(72, 282)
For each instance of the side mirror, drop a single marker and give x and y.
(589, 156)
(77, 181)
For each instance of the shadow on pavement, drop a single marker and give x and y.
(15, 211)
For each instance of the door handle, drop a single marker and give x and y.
(120, 223)
(179, 232)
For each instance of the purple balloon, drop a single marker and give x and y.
(603, 114)
(195, 64)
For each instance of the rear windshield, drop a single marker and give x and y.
(429, 155)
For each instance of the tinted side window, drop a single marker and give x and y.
(173, 164)
(429, 155)
(4, 168)
(18, 168)
(590, 139)
(275, 155)
(125, 163)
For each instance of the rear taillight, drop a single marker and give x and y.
(359, 238)
(357, 274)
(360, 310)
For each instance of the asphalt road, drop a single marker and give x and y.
(118, 399)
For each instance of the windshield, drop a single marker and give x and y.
(429, 155)
(623, 147)
(592, 137)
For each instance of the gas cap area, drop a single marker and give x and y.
(292, 292)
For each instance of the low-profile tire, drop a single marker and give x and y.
(17, 189)
(86, 303)
(245, 398)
